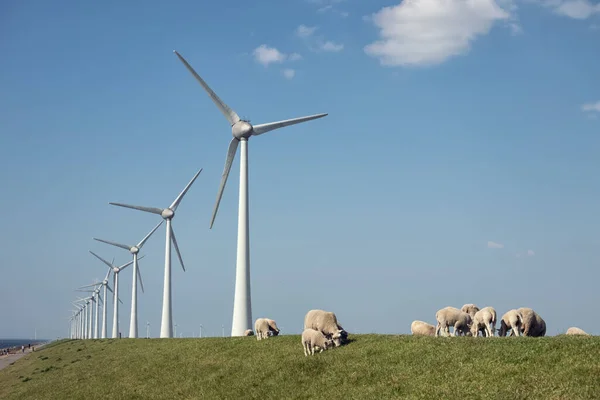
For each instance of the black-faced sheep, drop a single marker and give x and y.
(265, 327)
(248, 332)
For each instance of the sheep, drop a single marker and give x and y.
(512, 320)
(576, 331)
(470, 309)
(484, 321)
(533, 325)
(420, 328)
(461, 321)
(265, 327)
(248, 332)
(273, 329)
(313, 339)
(326, 322)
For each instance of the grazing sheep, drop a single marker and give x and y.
(248, 332)
(451, 316)
(273, 329)
(576, 331)
(533, 325)
(326, 322)
(470, 309)
(313, 339)
(484, 321)
(512, 320)
(420, 328)
(264, 328)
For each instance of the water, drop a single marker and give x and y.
(4, 343)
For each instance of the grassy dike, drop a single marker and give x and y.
(370, 367)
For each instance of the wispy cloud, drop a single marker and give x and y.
(317, 43)
(289, 73)
(329, 6)
(591, 107)
(494, 245)
(428, 32)
(530, 253)
(577, 9)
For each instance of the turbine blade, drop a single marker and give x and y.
(231, 116)
(102, 259)
(123, 246)
(120, 301)
(152, 210)
(183, 192)
(107, 274)
(264, 128)
(93, 284)
(127, 264)
(176, 247)
(81, 290)
(141, 243)
(109, 289)
(233, 145)
(139, 274)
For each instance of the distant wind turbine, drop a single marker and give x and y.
(116, 300)
(166, 326)
(104, 283)
(134, 250)
(241, 130)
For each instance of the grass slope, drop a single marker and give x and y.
(371, 366)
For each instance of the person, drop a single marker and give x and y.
(23, 348)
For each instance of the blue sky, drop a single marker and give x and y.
(458, 163)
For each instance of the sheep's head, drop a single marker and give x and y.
(337, 338)
(329, 344)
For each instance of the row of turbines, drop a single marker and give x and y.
(84, 323)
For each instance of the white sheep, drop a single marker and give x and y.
(512, 320)
(484, 321)
(265, 327)
(451, 316)
(470, 309)
(420, 328)
(576, 331)
(533, 325)
(248, 332)
(325, 322)
(313, 339)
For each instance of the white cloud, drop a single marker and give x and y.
(577, 9)
(530, 253)
(428, 32)
(331, 46)
(305, 31)
(289, 73)
(266, 55)
(591, 107)
(494, 245)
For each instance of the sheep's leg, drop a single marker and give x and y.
(453, 332)
(493, 325)
(312, 349)
(488, 331)
(304, 347)
(437, 329)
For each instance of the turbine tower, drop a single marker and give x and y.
(241, 130)
(166, 325)
(134, 250)
(116, 300)
(104, 283)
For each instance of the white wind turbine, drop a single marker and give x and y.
(116, 300)
(104, 283)
(134, 250)
(97, 300)
(166, 325)
(242, 130)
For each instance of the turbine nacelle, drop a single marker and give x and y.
(134, 250)
(241, 130)
(167, 213)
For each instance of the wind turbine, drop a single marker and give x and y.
(116, 300)
(241, 130)
(133, 323)
(166, 325)
(104, 283)
(96, 299)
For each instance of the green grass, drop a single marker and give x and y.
(370, 367)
